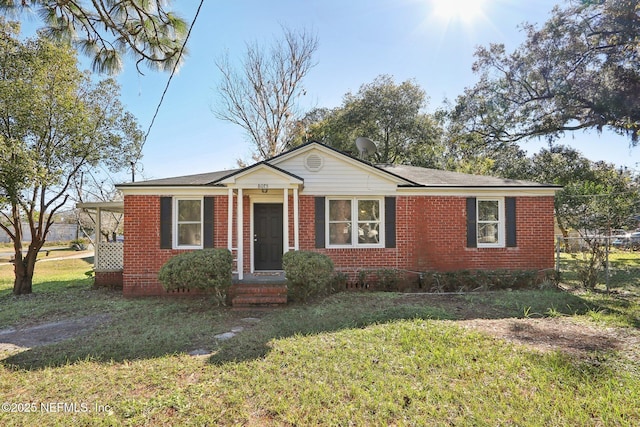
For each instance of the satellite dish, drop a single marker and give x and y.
(366, 147)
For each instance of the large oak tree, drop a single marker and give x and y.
(580, 70)
(54, 123)
(389, 113)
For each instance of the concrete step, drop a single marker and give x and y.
(259, 289)
(259, 299)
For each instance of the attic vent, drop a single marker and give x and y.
(313, 162)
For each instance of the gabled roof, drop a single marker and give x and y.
(280, 158)
(210, 178)
(405, 176)
(424, 177)
(264, 166)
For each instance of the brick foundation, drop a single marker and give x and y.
(108, 279)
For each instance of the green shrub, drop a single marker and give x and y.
(308, 274)
(206, 269)
(383, 279)
(484, 280)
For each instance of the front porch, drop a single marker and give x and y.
(108, 256)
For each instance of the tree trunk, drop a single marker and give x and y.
(24, 268)
(23, 282)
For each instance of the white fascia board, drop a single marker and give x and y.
(174, 191)
(477, 191)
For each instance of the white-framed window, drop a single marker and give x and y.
(355, 222)
(490, 219)
(188, 223)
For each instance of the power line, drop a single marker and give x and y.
(166, 88)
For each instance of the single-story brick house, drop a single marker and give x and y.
(317, 198)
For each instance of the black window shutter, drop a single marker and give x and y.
(510, 220)
(472, 234)
(208, 222)
(389, 222)
(166, 222)
(320, 222)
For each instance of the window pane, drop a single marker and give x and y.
(339, 210)
(487, 233)
(488, 210)
(368, 210)
(340, 233)
(188, 210)
(368, 232)
(189, 234)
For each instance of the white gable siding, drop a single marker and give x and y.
(338, 176)
(262, 176)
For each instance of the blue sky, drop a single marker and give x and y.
(358, 40)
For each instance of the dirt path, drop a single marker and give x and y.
(14, 339)
(575, 338)
(568, 335)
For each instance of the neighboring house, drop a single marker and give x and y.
(320, 199)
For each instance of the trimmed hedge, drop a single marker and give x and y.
(308, 274)
(206, 269)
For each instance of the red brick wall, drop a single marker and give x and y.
(142, 254)
(439, 228)
(430, 235)
(109, 279)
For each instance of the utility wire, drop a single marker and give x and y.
(166, 88)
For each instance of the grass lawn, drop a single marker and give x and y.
(352, 358)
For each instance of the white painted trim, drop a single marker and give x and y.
(286, 177)
(502, 227)
(174, 220)
(201, 190)
(337, 155)
(264, 199)
(252, 235)
(240, 260)
(285, 221)
(354, 221)
(117, 206)
(476, 192)
(296, 221)
(96, 261)
(230, 219)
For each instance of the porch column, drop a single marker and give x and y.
(230, 220)
(296, 221)
(96, 243)
(285, 221)
(240, 262)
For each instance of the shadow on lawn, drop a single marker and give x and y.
(358, 310)
(148, 328)
(115, 328)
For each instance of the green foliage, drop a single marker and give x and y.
(383, 279)
(205, 269)
(78, 244)
(389, 113)
(484, 280)
(105, 31)
(308, 274)
(57, 124)
(577, 71)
